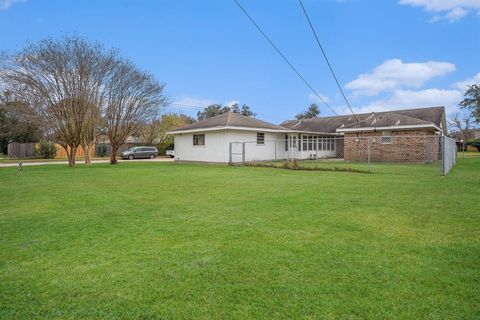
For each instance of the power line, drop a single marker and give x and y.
(181, 105)
(326, 59)
(173, 104)
(284, 58)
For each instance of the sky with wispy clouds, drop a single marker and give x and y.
(387, 54)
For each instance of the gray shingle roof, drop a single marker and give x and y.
(230, 119)
(434, 115)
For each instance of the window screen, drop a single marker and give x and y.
(260, 138)
(386, 136)
(199, 139)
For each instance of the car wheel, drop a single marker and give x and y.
(130, 157)
(152, 156)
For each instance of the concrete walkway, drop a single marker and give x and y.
(78, 162)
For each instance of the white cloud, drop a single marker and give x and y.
(395, 74)
(409, 99)
(5, 4)
(313, 98)
(451, 10)
(406, 99)
(462, 85)
(231, 103)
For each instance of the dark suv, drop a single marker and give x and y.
(140, 153)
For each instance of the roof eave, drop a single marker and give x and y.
(218, 128)
(417, 126)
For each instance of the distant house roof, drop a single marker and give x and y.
(229, 120)
(422, 117)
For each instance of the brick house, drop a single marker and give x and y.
(393, 136)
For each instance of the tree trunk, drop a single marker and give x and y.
(86, 152)
(68, 154)
(71, 156)
(113, 154)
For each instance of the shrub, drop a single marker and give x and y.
(101, 150)
(47, 149)
(295, 164)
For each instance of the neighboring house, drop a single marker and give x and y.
(219, 138)
(475, 134)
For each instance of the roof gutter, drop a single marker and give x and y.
(416, 126)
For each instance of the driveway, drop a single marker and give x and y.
(79, 162)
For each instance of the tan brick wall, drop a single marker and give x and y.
(406, 146)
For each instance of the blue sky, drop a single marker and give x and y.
(387, 54)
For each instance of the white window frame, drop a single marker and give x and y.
(262, 140)
(386, 137)
(198, 135)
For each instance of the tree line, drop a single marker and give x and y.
(75, 90)
(464, 123)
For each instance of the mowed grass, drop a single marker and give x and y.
(163, 240)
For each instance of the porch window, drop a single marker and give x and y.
(386, 137)
(199, 139)
(305, 142)
(260, 138)
(286, 142)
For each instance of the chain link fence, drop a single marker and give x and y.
(415, 154)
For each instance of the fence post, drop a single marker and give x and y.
(243, 152)
(442, 147)
(275, 144)
(369, 152)
(230, 153)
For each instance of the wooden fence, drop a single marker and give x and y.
(21, 150)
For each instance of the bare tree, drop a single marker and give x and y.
(90, 129)
(150, 131)
(132, 97)
(462, 124)
(63, 81)
(154, 132)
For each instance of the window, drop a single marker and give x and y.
(199, 139)
(286, 142)
(386, 137)
(260, 138)
(305, 143)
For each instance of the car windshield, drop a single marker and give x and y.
(132, 149)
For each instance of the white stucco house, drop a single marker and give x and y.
(232, 137)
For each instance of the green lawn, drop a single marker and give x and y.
(162, 240)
